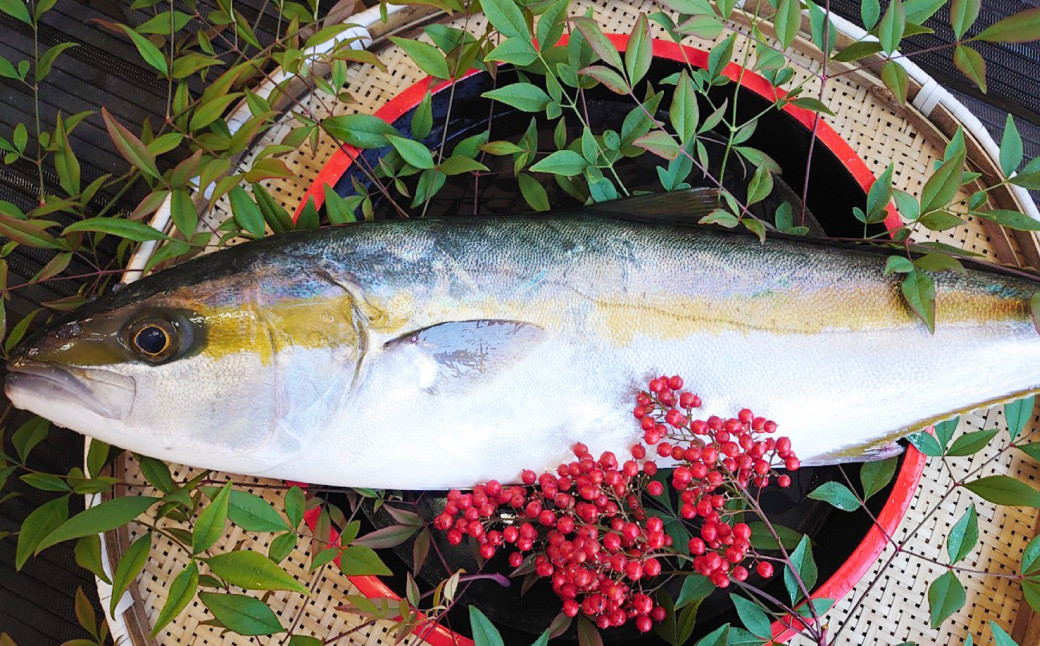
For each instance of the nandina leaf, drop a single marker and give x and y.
(37, 525)
(282, 546)
(130, 565)
(522, 96)
(253, 571)
(788, 19)
(31, 233)
(426, 56)
(18, 9)
(684, 112)
(1004, 490)
(970, 443)
(484, 632)
(515, 51)
(919, 291)
(599, 43)
(129, 146)
(857, 50)
(251, 512)
(694, 588)
(88, 556)
(506, 17)
(362, 560)
(870, 11)
(752, 616)
(181, 592)
(29, 435)
(1031, 556)
(945, 597)
(360, 130)
(962, 15)
(1021, 27)
(1010, 148)
(837, 494)
(892, 25)
(608, 77)
(659, 143)
(875, 476)
(210, 525)
(941, 187)
(386, 537)
(971, 64)
(897, 79)
(121, 227)
(242, 614)
(246, 212)
(1000, 637)
(94, 520)
(533, 192)
(149, 52)
(801, 561)
(295, 505)
(638, 54)
(963, 535)
(1018, 413)
(562, 162)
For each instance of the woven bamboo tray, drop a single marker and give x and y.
(895, 608)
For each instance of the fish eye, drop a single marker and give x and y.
(153, 340)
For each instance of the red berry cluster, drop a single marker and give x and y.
(587, 525)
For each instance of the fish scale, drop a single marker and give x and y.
(445, 352)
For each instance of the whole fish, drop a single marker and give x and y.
(446, 352)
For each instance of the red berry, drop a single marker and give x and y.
(528, 477)
(658, 614)
(792, 464)
(784, 481)
(764, 569)
(655, 488)
(652, 567)
(638, 451)
(745, 416)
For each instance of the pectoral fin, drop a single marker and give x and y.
(468, 351)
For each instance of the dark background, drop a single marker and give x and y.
(36, 604)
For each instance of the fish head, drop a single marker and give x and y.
(202, 372)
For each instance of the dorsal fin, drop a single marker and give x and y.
(676, 207)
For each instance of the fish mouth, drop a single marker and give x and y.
(108, 394)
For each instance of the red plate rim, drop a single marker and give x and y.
(869, 549)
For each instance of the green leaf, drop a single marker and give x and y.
(684, 112)
(940, 221)
(551, 23)
(38, 525)
(720, 56)
(802, 562)
(282, 546)
(1000, 637)
(484, 632)
(970, 443)
(971, 64)
(29, 435)
(638, 54)
(1018, 413)
(870, 11)
(17, 9)
(361, 560)
(752, 617)
(211, 110)
(210, 525)
(253, 571)
(1031, 556)
(963, 536)
(945, 597)
(149, 52)
(422, 118)
(533, 192)
(659, 143)
(305, 640)
(695, 587)
(274, 214)
(918, 11)
(822, 28)
(160, 23)
(926, 444)
(129, 146)
(457, 165)
(295, 505)
(506, 17)
(919, 291)
(242, 614)
(94, 520)
(130, 565)
(875, 476)
(963, 14)
(156, 472)
(43, 67)
(787, 20)
(891, 27)
(898, 265)
(600, 44)
(183, 212)
(1022, 27)
(760, 186)
(121, 227)
(360, 130)
(837, 494)
(426, 56)
(608, 77)
(45, 482)
(896, 79)
(522, 96)
(88, 556)
(1010, 147)
(1004, 490)
(386, 537)
(246, 212)
(880, 193)
(252, 513)
(1011, 219)
(562, 162)
(181, 592)
(515, 51)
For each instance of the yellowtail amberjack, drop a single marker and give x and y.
(446, 352)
